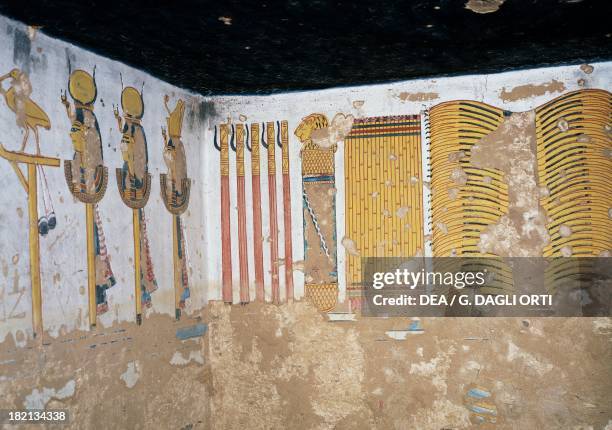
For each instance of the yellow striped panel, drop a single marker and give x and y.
(461, 212)
(574, 144)
(384, 214)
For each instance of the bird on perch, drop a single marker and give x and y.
(29, 116)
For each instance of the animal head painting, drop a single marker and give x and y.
(312, 122)
(28, 115)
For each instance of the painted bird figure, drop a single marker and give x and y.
(29, 116)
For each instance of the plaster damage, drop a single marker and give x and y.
(522, 232)
(38, 399)
(131, 375)
(302, 364)
(178, 359)
(350, 375)
(120, 376)
(521, 92)
(417, 97)
(326, 137)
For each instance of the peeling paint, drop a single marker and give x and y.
(417, 97)
(179, 360)
(587, 68)
(350, 246)
(38, 399)
(522, 92)
(511, 149)
(538, 365)
(131, 375)
(340, 126)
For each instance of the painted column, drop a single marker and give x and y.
(242, 229)
(226, 244)
(257, 225)
(284, 133)
(273, 213)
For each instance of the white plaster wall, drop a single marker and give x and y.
(63, 251)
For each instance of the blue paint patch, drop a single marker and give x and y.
(191, 331)
(415, 326)
(478, 393)
(482, 410)
(479, 401)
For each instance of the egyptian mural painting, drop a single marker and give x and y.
(87, 179)
(522, 184)
(466, 198)
(573, 141)
(134, 182)
(489, 167)
(175, 189)
(272, 212)
(384, 193)
(574, 148)
(226, 244)
(29, 117)
(503, 184)
(319, 203)
(240, 139)
(283, 139)
(239, 149)
(254, 148)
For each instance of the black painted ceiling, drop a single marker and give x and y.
(274, 45)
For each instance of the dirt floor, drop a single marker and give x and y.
(288, 367)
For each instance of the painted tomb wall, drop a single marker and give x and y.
(68, 97)
(321, 177)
